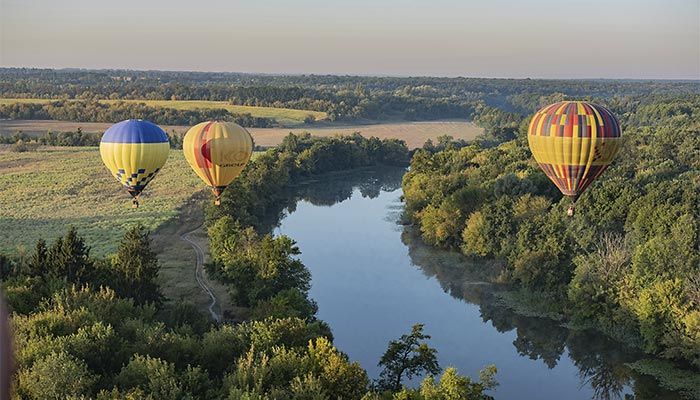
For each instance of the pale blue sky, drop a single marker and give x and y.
(488, 38)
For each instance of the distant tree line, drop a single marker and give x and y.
(94, 111)
(345, 98)
(77, 138)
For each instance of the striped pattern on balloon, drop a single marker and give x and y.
(573, 142)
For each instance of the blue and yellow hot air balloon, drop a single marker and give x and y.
(134, 151)
(573, 142)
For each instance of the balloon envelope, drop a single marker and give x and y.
(134, 151)
(574, 142)
(217, 152)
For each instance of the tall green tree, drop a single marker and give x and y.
(407, 357)
(137, 266)
(69, 256)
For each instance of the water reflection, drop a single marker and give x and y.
(600, 362)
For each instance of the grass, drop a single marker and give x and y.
(44, 192)
(177, 258)
(285, 116)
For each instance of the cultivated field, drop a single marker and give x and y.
(414, 133)
(285, 116)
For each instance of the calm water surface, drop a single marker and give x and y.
(373, 279)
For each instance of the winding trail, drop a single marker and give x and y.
(199, 272)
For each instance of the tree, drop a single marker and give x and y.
(38, 261)
(69, 256)
(137, 266)
(56, 376)
(453, 386)
(407, 357)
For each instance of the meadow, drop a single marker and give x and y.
(284, 116)
(46, 191)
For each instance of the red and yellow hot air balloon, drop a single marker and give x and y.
(574, 142)
(217, 152)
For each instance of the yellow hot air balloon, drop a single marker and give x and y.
(574, 142)
(134, 151)
(217, 152)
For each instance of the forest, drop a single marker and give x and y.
(344, 98)
(627, 263)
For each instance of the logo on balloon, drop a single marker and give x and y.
(223, 159)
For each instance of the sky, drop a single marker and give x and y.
(640, 39)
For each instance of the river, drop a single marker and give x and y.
(373, 279)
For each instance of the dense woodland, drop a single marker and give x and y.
(344, 98)
(88, 327)
(627, 262)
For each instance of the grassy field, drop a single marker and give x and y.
(414, 133)
(284, 116)
(44, 192)
(47, 191)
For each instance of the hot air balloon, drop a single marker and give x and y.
(574, 142)
(217, 152)
(134, 151)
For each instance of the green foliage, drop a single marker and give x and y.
(136, 266)
(257, 268)
(452, 386)
(319, 371)
(159, 379)
(626, 262)
(56, 376)
(407, 357)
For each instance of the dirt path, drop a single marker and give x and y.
(177, 278)
(200, 276)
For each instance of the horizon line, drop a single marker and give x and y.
(349, 75)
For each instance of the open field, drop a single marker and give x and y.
(285, 116)
(46, 191)
(414, 133)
